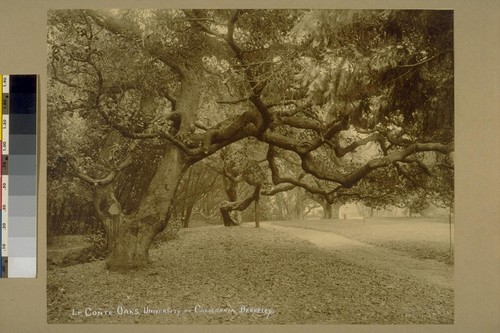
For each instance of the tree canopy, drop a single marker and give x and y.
(342, 103)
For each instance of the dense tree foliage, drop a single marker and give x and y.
(343, 105)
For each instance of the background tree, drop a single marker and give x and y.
(198, 182)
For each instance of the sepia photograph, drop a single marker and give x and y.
(250, 166)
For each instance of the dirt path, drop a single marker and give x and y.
(427, 271)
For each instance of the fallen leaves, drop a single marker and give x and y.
(220, 267)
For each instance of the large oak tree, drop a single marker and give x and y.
(136, 97)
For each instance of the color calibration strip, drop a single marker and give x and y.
(19, 175)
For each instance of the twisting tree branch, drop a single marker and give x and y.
(277, 179)
(277, 189)
(110, 177)
(376, 137)
(361, 197)
(349, 180)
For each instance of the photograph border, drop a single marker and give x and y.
(23, 50)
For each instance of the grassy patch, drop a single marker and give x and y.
(421, 238)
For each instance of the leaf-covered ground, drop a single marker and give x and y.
(421, 238)
(243, 275)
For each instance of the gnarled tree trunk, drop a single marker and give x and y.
(327, 210)
(186, 215)
(130, 235)
(330, 211)
(227, 207)
(335, 210)
(133, 234)
(130, 245)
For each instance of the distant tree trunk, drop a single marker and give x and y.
(336, 210)
(55, 220)
(231, 189)
(186, 216)
(298, 210)
(227, 219)
(282, 208)
(257, 222)
(327, 210)
(227, 207)
(330, 211)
